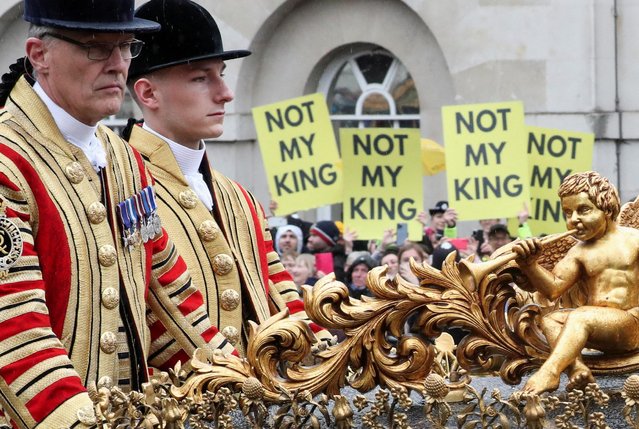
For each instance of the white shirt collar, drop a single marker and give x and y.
(74, 131)
(189, 161)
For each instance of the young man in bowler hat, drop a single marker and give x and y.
(217, 225)
(86, 297)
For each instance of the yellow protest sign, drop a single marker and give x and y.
(382, 180)
(299, 151)
(553, 155)
(486, 164)
(433, 159)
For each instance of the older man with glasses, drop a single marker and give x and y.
(91, 288)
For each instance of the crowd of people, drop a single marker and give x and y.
(304, 247)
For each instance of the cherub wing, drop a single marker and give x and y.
(629, 214)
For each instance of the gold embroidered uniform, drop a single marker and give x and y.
(228, 250)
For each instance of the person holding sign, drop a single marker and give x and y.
(606, 262)
(217, 225)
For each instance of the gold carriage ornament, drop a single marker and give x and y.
(536, 305)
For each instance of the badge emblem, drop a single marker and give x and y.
(10, 243)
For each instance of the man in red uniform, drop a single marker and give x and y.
(85, 294)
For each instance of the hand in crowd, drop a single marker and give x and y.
(470, 249)
(523, 215)
(486, 248)
(423, 218)
(272, 207)
(450, 216)
(388, 238)
(381, 245)
(349, 237)
(406, 273)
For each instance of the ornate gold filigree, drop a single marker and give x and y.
(277, 348)
(278, 340)
(367, 325)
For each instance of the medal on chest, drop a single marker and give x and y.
(139, 221)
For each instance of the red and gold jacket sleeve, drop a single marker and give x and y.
(178, 321)
(38, 383)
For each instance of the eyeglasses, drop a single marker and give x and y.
(101, 51)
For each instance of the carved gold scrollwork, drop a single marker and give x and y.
(367, 324)
(488, 310)
(502, 321)
(277, 348)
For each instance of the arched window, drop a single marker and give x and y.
(372, 89)
(367, 87)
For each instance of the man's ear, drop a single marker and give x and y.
(145, 92)
(36, 52)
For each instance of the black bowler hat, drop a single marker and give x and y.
(87, 15)
(440, 207)
(189, 33)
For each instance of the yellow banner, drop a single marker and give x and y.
(300, 154)
(553, 155)
(485, 159)
(382, 180)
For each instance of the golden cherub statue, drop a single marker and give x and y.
(606, 261)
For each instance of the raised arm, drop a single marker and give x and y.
(551, 284)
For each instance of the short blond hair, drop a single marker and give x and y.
(601, 192)
(308, 260)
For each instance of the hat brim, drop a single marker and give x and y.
(435, 211)
(226, 55)
(136, 25)
(499, 230)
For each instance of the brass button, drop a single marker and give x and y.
(105, 381)
(232, 334)
(188, 199)
(107, 255)
(107, 342)
(96, 212)
(74, 172)
(86, 415)
(208, 230)
(222, 264)
(110, 298)
(230, 299)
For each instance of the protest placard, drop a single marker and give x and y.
(382, 180)
(486, 164)
(552, 155)
(300, 154)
